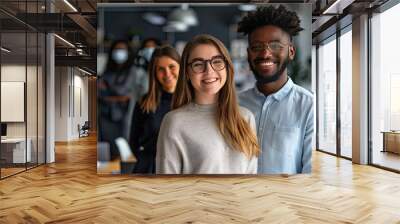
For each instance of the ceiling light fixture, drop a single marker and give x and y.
(5, 49)
(64, 40)
(79, 51)
(184, 15)
(247, 7)
(154, 18)
(70, 5)
(175, 26)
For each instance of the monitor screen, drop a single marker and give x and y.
(3, 129)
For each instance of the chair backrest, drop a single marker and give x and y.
(86, 125)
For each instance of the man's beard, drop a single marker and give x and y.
(264, 80)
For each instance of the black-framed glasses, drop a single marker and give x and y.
(273, 46)
(199, 65)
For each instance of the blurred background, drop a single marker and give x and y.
(176, 23)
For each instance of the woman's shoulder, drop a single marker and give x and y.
(177, 115)
(246, 113)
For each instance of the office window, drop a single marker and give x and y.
(346, 92)
(327, 95)
(385, 89)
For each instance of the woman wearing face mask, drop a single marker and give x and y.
(146, 50)
(207, 132)
(150, 110)
(119, 88)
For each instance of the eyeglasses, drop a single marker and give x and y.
(273, 46)
(199, 65)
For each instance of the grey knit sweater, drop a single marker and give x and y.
(190, 142)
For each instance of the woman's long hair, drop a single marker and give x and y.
(232, 125)
(151, 100)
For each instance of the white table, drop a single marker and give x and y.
(18, 149)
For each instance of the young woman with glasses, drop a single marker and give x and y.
(207, 132)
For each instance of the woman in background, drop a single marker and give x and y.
(207, 132)
(118, 89)
(150, 110)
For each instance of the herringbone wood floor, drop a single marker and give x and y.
(70, 191)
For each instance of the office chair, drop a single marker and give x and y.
(84, 130)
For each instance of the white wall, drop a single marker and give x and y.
(61, 103)
(71, 100)
(33, 126)
(14, 73)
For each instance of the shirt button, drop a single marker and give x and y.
(141, 148)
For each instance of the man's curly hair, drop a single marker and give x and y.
(263, 16)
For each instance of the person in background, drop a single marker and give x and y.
(283, 110)
(206, 132)
(118, 88)
(145, 52)
(150, 110)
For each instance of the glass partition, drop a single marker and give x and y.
(14, 152)
(327, 95)
(22, 89)
(346, 92)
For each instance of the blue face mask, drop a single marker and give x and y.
(120, 56)
(147, 53)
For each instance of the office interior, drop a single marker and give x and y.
(49, 67)
(48, 82)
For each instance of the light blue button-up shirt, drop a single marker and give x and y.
(285, 127)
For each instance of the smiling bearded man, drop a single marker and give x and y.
(283, 110)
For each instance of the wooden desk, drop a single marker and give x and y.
(109, 167)
(391, 141)
(112, 167)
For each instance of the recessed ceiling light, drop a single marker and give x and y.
(64, 40)
(70, 5)
(337, 7)
(84, 71)
(5, 49)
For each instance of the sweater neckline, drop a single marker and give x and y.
(204, 107)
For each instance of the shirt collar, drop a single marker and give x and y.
(282, 93)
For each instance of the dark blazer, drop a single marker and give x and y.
(144, 133)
